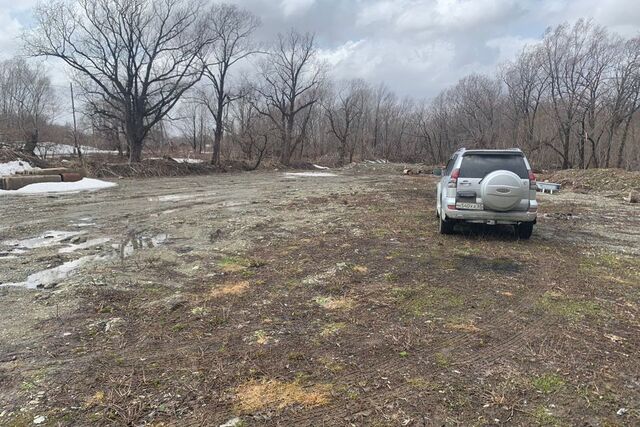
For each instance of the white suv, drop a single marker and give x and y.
(487, 187)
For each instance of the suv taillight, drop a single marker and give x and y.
(453, 182)
(532, 181)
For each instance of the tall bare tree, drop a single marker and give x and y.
(565, 51)
(526, 84)
(343, 109)
(233, 28)
(137, 56)
(27, 101)
(291, 78)
(475, 101)
(626, 99)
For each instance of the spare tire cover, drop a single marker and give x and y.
(501, 190)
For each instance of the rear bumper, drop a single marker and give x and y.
(484, 217)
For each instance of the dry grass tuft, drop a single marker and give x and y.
(96, 399)
(332, 329)
(332, 303)
(236, 288)
(361, 269)
(465, 327)
(255, 395)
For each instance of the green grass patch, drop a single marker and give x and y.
(567, 307)
(332, 329)
(548, 383)
(544, 417)
(610, 266)
(420, 383)
(442, 360)
(426, 300)
(234, 264)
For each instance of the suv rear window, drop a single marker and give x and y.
(480, 165)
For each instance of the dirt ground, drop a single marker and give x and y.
(272, 299)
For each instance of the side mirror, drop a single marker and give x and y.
(437, 172)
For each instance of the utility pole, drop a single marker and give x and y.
(75, 128)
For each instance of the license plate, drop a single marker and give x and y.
(474, 206)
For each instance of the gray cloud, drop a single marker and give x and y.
(417, 47)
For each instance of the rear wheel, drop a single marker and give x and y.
(524, 230)
(445, 225)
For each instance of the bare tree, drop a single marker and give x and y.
(136, 56)
(291, 79)
(192, 123)
(565, 51)
(526, 84)
(592, 109)
(28, 101)
(626, 99)
(251, 131)
(107, 127)
(475, 102)
(233, 28)
(343, 110)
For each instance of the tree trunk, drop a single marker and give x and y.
(32, 142)
(623, 141)
(135, 142)
(285, 155)
(343, 151)
(566, 140)
(218, 134)
(135, 136)
(609, 143)
(135, 153)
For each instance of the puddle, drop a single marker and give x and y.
(233, 204)
(137, 241)
(48, 238)
(85, 245)
(53, 275)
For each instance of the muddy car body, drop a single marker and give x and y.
(487, 187)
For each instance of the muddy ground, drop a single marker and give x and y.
(266, 299)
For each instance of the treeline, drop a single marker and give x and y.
(571, 100)
(152, 71)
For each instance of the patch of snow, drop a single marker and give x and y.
(308, 174)
(188, 160)
(51, 149)
(85, 184)
(83, 224)
(233, 422)
(172, 197)
(179, 159)
(321, 167)
(88, 244)
(11, 168)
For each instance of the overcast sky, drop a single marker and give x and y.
(417, 47)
